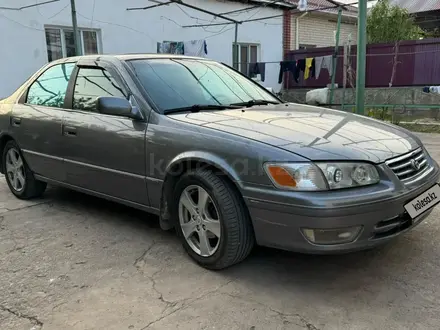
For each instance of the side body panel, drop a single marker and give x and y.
(107, 155)
(104, 153)
(39, 137)
(37, 128)
(170, 142)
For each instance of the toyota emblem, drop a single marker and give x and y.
(415, 164)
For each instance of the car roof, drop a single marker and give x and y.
(125, 57)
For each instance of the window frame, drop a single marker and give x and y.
(149, 101)
(144, 107)
(248, 45)
(63, 29)
(126, 94)
(24, 97)
(92, 64)
(306, 46)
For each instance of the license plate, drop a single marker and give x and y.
(424, 202)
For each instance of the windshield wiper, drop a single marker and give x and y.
(198, 107)
(251, 103)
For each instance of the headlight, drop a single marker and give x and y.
(296, 176)
(321, 176)
(346, 175)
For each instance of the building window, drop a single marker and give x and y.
(246, 54)
(60, 42)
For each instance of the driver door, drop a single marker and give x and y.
(104, 153)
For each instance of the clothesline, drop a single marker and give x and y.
(431, 89)
(340, 56)
(310, 66)
(407, 53)
(303, 56)
(267, 62)
(190, 48)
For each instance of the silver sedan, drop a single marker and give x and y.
(219, 158)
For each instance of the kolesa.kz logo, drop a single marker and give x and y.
(425, 201)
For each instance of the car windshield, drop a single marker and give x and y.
(182, 83)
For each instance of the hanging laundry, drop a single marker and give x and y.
(195, 48)
(312, 69)
(300, 66)
(308, 67)
(257, 68)
(286, 66)
(176, 47)
(163, 47)
(431, 89)
(324, 62)
(170, 47)
(180, 48)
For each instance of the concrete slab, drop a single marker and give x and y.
(71, 261)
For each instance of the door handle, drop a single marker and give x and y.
(15, 121)
(69, 131)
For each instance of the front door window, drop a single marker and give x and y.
(91, 84)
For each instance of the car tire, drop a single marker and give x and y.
(234, 225)
(25, 186)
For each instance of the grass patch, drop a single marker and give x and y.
(422, 128)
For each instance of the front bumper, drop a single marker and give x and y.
(381, 215)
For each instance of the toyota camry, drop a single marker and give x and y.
(217, 157)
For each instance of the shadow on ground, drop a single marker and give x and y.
(315, 273)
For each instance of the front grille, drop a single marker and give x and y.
(409, 167)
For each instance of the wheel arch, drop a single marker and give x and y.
(184, 163)
(4, 138)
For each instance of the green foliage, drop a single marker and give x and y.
(384, 114)
(435, 33)
(387, 23)
(379, 113)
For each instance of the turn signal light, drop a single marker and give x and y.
(281, 176)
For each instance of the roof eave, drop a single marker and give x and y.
(280, 4)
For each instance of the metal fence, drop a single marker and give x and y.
(415, 63)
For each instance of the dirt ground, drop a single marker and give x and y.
(70, 261)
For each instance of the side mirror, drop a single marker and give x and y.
(116, 106)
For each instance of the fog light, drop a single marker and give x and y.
(332, 236)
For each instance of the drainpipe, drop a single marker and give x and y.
(235, 50)
(361, 56)
(297, 29)
(335, 55)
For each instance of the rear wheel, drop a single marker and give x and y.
(19, 177)
(212, 220)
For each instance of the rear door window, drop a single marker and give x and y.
(50, 88)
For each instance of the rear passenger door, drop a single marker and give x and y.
(104, 153)
(36, 121)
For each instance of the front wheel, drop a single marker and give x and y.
(212, 220)
(20, 179)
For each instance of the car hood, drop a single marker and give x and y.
(312, 132)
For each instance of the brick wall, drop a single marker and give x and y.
(318, 30)
(287, 31)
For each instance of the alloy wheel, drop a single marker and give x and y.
(199, 220)
(15, 169)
